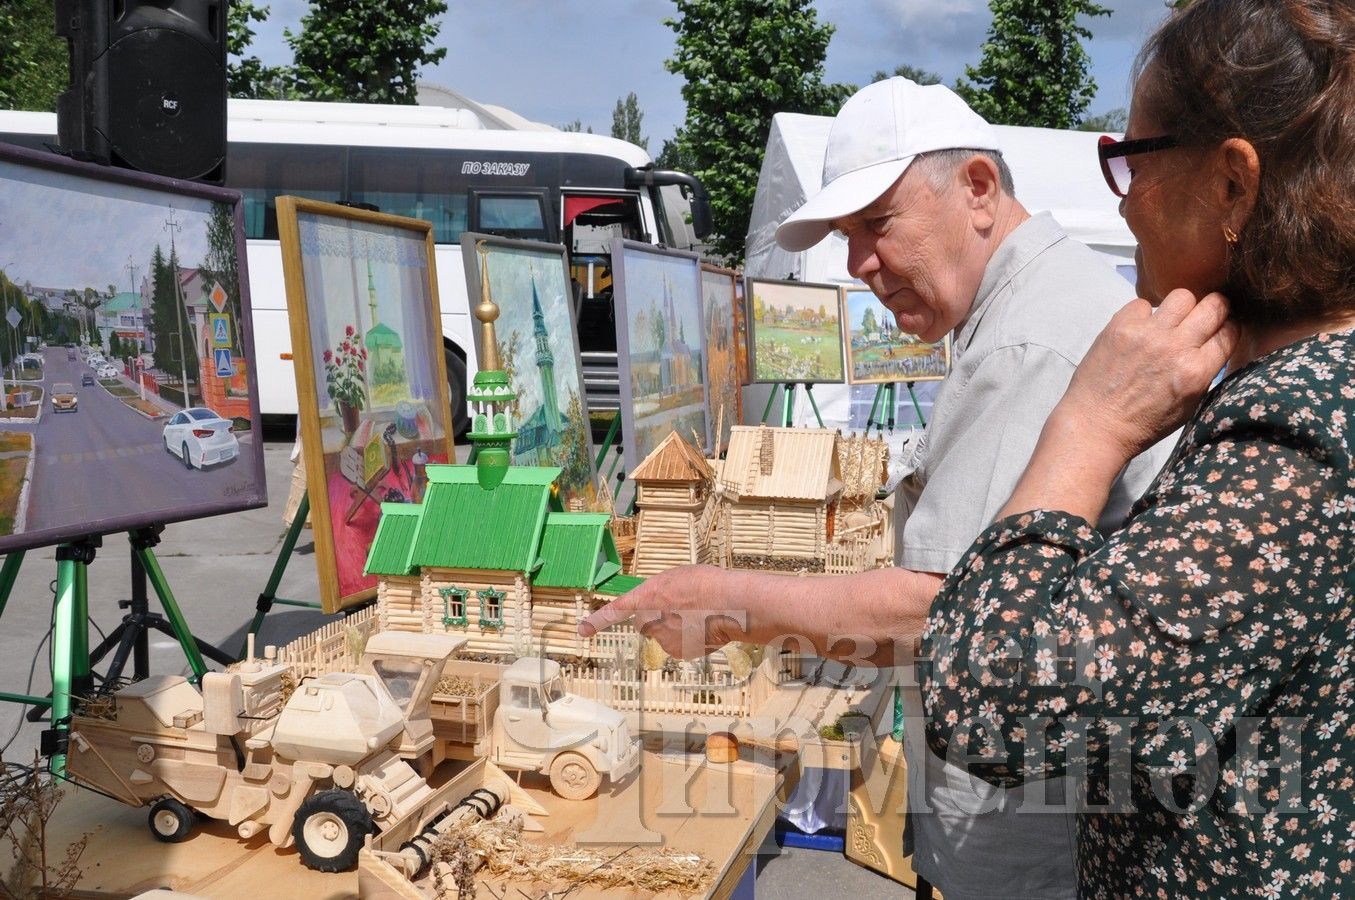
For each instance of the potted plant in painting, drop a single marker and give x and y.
(346, 378)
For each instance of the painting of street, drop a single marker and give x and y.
(795, 333)
(372, 390)
(126, 390)
(661, 354)
(878, 352)
(539, 349)
(718, 306)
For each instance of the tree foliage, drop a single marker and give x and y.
(247, 76)
(577, 127)
(743, 61)
(1034, 70)
(1114, 120)
(626, 119)
(365, 51)
(912, 73)
(34, 69)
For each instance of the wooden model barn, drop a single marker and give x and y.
(489, 553)
(785, 499)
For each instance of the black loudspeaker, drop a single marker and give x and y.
(148, 85)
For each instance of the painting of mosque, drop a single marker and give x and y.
(538, 346)
(878, 352)
(661, 350)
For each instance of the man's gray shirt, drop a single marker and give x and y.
(1042, 301)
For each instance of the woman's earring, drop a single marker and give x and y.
(1229, 235)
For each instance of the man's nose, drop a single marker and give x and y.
(861, 258)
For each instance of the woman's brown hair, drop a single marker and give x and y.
(1281, 74)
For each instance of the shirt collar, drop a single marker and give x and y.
(1027, 241)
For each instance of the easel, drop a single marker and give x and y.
(788, 402)
(72, 661)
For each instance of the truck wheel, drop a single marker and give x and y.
(170, 820)
(329, 828)
(573, 777)
(456, 391)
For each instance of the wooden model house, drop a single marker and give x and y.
(673, 492)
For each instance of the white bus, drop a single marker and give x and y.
(441, 165)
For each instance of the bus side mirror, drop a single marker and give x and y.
(702, 224)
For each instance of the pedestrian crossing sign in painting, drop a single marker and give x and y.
(225, 368)
(221, 329)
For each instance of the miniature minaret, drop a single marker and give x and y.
(490, 396)
(545, 362)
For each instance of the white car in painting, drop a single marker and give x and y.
(109, 372)
(200, 437)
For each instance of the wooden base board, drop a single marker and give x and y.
(876, 814)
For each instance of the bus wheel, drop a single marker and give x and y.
(456, 391)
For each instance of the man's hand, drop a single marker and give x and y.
(685, 609)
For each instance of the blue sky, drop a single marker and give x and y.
(557, 60)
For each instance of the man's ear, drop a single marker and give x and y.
(981, 187)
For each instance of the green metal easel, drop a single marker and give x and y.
(264, 604)
(788, 403)
(72, 661)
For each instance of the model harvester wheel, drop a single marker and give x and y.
(573, 777)
(170, 820)
(329, 829)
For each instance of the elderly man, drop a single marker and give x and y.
(915, 182)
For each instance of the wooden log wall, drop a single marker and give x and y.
(515, 607)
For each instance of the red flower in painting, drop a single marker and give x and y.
(345, 371)
(348, 331)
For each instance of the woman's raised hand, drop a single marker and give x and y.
(684, 609)
(1146, 372)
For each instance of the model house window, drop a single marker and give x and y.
(453, 606)
(491, 608)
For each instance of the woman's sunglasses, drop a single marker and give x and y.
(1115, 155)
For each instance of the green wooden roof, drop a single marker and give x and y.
(571, 550)
(389, 554)
(618, 585)
(465, 526)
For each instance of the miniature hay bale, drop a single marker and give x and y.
(652, 655)
(456, 686)
(642, 869)
(722, 747)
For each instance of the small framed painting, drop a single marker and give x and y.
(719, 316)
(878, 352)
(660, 347)
(539, 349)
(371, 388)
(794, 332)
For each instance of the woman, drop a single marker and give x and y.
(1196, 665)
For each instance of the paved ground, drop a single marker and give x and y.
(216, 567)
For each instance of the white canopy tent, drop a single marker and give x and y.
(1054, 171)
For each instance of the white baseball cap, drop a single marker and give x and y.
(876, 135)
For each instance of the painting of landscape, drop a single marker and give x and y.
(878, 352)
(660, 342)
(127, 390)
(718, 306)
(539, 349)
(795, 333)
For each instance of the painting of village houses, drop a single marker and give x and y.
(795, 333)
(660, 337)
(370, 377)
(125, 378)
(538, 348)
(718, 307)
(878, 352)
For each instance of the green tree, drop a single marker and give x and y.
(221, 265)
(1115, 120)
(626, 119)
(365, 51)
(672, 155)
(1034, 70)
(33, 60)
(743, 61)
(869, 324)
(572, 454)
(247, 76)
(912, 73)
(576, 126)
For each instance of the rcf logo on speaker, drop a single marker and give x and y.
(169, 104)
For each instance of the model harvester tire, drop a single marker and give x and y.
(170, 820)
(329, 829)
(573, 777)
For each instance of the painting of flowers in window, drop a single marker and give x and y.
(371, 384)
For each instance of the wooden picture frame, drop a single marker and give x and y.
(794, 332)
(150, 273)
(724, 380)
(663, 383)
(878, 352)
(526, 277)
(372, 394)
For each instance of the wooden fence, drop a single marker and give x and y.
(333, 648)
(661, 692)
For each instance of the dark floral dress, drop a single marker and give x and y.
(1195, 669)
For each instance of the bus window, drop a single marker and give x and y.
(262, 172)
(410, 182)
(592, 220)
(517, 214)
